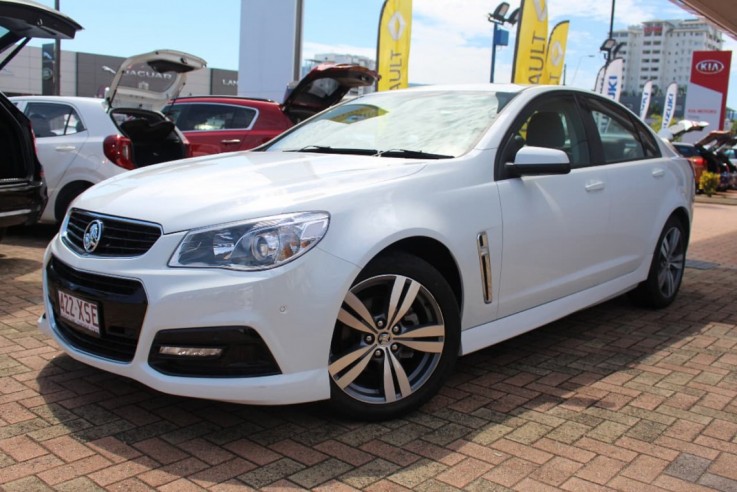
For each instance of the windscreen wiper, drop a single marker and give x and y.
(412, 154)
(322, 149)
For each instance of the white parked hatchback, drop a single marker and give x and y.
(83, 140)
(357, 255)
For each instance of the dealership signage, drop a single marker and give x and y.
(706, 99)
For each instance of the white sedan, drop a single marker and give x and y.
(356, 256)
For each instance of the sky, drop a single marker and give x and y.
(451, 39)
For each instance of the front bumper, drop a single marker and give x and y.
(292, 309)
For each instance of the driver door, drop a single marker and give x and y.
(555, 228)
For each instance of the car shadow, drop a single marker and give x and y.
(611, 361)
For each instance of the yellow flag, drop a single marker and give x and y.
(532, 34)
(556, 55)
(392, 50)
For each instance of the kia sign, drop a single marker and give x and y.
(706, 99)
(710, 67)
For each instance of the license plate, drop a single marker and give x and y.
(80, 312)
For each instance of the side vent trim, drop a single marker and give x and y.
(485, 261)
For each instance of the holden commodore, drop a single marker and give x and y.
(357, 255)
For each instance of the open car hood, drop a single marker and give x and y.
(25, 19)
(149, 80)
(683, 126)
(323, 86)
(717, 138)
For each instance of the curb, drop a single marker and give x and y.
(719, 198)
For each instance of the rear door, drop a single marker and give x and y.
(21, 19)
(638, 177)
(60, 136)
(165, 72)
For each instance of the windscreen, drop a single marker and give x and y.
(435, 123)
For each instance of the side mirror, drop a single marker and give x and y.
(534, 161)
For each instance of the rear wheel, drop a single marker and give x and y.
(666, 271)
(396, 339)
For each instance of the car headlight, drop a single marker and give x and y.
(258, 244)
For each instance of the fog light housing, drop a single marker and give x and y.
(215, 351)
(190, 351)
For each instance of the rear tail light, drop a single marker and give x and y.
(187, 147)
(698, 161)
(119, 150)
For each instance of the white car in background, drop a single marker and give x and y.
(82, 140)
(356, 256)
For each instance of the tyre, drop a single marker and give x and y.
(395, 341)
(666, 271)
(65, 198)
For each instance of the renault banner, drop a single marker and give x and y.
(532, 36)
(707, 91)
(392, 50)
(556, 54)
(669, 106)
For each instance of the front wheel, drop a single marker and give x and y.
(666, 271)
(396, 339)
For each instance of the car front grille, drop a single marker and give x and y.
(120, 237)
(122, 306)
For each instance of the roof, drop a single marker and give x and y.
(721, 13)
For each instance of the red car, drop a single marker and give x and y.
(215, 124)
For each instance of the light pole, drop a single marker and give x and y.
(578, 65)
(57, 60)
(497, 18)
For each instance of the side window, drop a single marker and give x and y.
(204, 117)
(553, 124)
(53, 120)
(622, 139)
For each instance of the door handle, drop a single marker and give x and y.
(594, 186)
(658, 172)
(231, 141)
(65, 148)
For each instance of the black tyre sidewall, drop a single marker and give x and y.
(424, 273)
(648, 293)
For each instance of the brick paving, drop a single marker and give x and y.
(611, 398)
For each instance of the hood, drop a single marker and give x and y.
(323, 86)
(717, 138)
(223, 188)
(149, 80)
(683, 126)
(25, 19)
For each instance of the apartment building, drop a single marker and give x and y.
(661, 50)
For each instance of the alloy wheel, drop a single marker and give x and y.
(672, 262)
(388, 339)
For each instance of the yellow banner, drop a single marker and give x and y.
(532, 35)
(556, 55)
(392, 50)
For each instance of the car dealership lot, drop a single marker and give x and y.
(612, 396)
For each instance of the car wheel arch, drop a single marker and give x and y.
(433, 252)
(66, 195)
